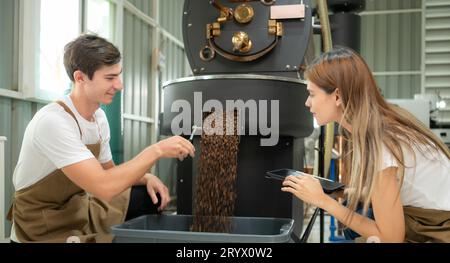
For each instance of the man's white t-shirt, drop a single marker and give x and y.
(52, 141)
(426, 183)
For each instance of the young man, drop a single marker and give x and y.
(67, 186)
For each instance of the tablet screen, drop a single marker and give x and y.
(328, 186)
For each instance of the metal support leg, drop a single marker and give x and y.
(322, 225)
(308, 229)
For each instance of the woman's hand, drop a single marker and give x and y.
(154, 185)
(175, 147)
(306, 188)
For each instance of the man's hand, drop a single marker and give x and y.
(174, 147)
(154, 185)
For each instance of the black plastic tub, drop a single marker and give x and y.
(175, 228)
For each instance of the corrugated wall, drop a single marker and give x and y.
(138, 100)
(137, 93)
(146, 6)
(138, 48)
(14, 118)
(8, 22)
(171, 14)
(14, 113)
(392, 43)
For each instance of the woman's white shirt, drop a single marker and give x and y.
(426, 182)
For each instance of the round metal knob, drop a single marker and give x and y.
(244, 13)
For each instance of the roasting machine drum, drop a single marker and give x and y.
(249, 51)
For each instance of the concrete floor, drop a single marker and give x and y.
(314, 237)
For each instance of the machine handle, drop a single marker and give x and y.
(247, 58)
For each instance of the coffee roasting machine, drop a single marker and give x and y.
(248, 50)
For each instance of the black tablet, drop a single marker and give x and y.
(328, 186)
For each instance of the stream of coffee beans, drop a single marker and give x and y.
(217, 169)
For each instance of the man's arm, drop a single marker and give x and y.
(111, 164)
(153, 183)
(108, 165)
(143, 180)
(107, 183)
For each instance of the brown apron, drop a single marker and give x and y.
(426, 225)
(55, 209)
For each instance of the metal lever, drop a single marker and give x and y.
(241, 42)
(226, 13)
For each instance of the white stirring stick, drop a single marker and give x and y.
(194, 129)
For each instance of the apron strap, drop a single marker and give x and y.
(9, 216)
(67, 109)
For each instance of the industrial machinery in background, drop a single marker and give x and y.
(248, 50)
(441, 129)
(438, 124)
(428, 109)
(345, 22)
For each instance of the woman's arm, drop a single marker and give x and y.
(389, 224)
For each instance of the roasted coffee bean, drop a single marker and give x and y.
(216, 180)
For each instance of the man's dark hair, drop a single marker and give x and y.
(88, 53)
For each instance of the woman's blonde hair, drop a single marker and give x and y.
(374, 122)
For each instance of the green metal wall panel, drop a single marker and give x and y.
(379, 5)
(146, 6)
(176, 62)
(8, 47)
(138, 48)
(113, 112)
(137, 83)
(14, 118)
(392, 42)
(171, 15)
(5, 130)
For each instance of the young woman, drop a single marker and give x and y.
(395, 163)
